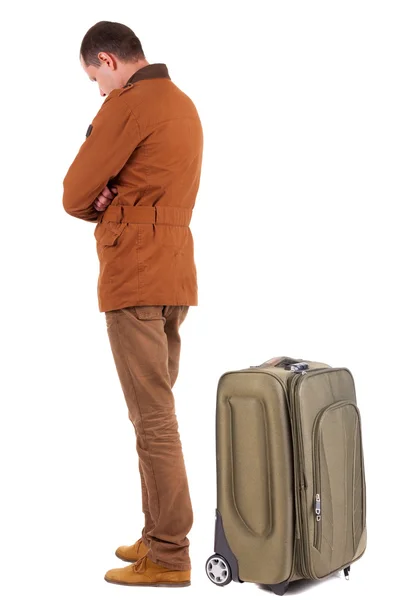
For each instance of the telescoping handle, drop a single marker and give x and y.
(286, 362)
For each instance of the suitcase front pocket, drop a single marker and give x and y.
(339, 495)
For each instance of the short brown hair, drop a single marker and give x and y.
(115, 38)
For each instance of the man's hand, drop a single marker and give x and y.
(104, 199)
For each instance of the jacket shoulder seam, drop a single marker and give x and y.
(129, 109)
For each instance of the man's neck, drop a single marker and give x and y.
(130, 68)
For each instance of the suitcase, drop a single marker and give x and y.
(291, 497)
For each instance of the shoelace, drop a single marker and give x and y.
(140, 565)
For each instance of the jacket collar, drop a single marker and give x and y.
(152, 71)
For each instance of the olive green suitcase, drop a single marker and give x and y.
(290, 474)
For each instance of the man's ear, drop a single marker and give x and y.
(107, 59)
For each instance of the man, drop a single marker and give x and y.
(136, 176)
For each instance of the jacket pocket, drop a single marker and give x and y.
(339, 482)
(107, 233)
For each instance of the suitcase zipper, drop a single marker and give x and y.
(318, 525)
(299, 475)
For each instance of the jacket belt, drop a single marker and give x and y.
(166, 215)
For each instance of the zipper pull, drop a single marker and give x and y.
(318, 507)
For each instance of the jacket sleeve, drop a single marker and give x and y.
(114, 136)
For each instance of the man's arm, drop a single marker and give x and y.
(114, 136)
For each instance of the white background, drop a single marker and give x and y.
(296, 250)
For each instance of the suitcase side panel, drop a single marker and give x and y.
(254, 474)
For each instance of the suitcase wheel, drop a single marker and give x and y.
(218, 570)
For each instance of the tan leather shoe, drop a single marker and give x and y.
(132, 553)
(146, 572)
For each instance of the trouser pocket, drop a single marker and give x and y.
(147, 313)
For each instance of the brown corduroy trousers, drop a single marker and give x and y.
(145, 343)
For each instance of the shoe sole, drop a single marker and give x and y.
(155, 584)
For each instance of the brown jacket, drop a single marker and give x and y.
(147, 141)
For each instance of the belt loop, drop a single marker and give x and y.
(121, 214)
(156, 214)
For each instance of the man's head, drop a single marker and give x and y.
(110, 53)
